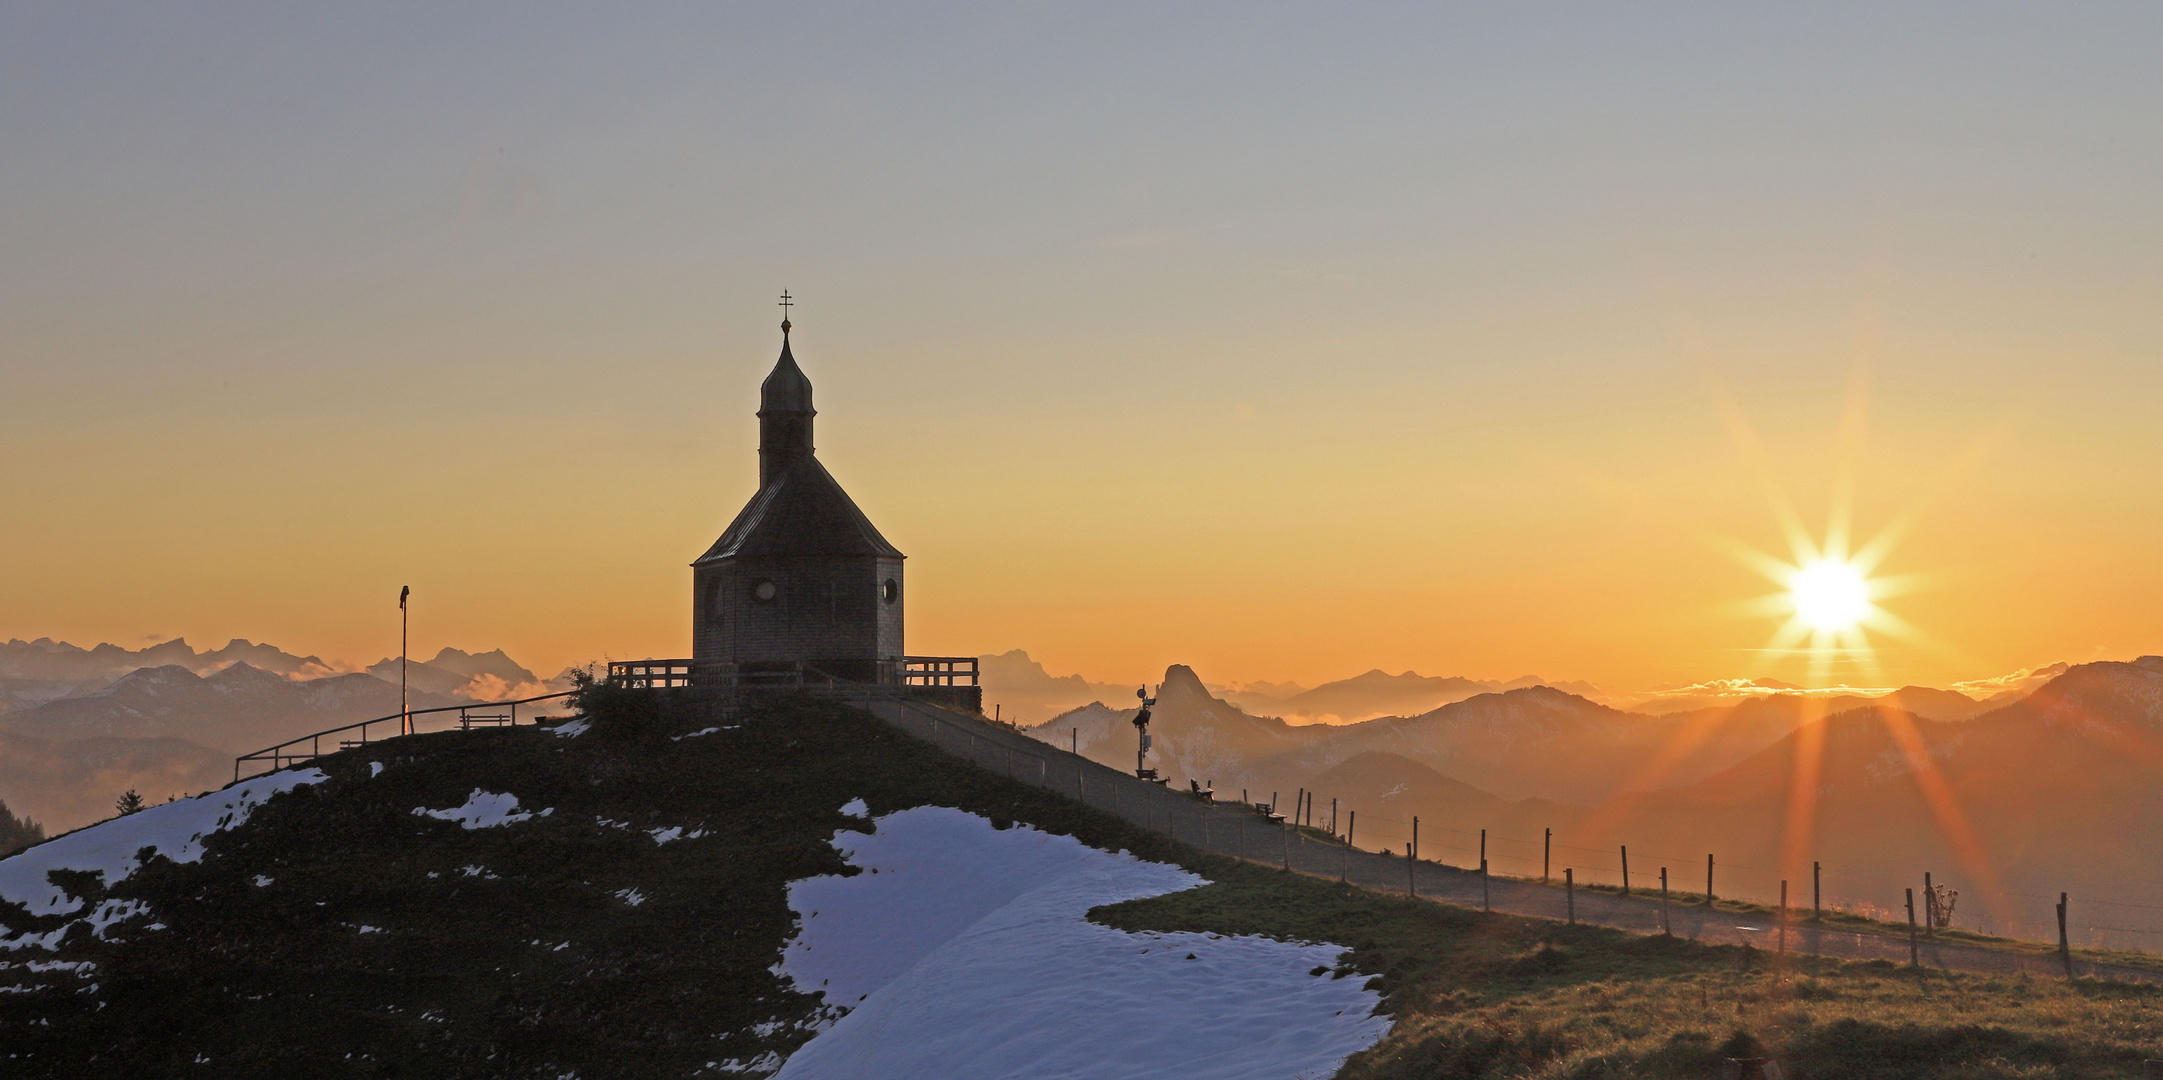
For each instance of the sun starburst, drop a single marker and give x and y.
(1830, 601)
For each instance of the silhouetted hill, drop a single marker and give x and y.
(1198, 736)
(1935, 704)
(236, 710)
(17, 694)
(47, 659)
(1389, 790)
(68, 783)
(1025, 693)
(1377, 693)
(494, 663)
(2058, 791)
(1536, 742)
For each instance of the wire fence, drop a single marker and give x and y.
(2014, 913)
(1349, 849)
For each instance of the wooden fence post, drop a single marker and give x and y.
(1708, 879)
(1483, 848)
(2065, 944)
(1817, 891)
(1547, 855)
(1351, 825)
(1663, 904)
(1625, 869)
(1569, 892)
(1930, 907)
(1783, 915)
(1915, 958)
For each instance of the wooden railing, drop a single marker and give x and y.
(309, 746)
(906, 671)
(649, 674)
(665, 674)
(938, 671)
(637, 674)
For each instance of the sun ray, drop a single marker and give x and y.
(1847, 461)
(1772, 567)
(1747, 444)
(1945, 810)
(1800, 829)
(1832, 613)
(1881, 544)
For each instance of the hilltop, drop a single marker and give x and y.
(606, 898)
(621, 896)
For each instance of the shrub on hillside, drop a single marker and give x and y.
(17, 833)
(618, 714)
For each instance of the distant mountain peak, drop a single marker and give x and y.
(1181, 680)
(150, 678)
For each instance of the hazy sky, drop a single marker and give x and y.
(1283, 341)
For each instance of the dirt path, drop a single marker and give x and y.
(1236, 830)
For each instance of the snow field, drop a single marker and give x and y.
(176, 829)
(963, 951)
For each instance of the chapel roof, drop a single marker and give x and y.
(802, 512)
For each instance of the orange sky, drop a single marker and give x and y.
(1148, 343)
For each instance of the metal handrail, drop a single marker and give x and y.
(278, 758)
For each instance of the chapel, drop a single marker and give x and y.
(801, 578)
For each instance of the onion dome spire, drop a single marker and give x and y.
(785, 411)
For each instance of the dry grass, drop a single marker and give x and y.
(1501, 996)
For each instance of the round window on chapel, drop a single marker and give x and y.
(764, 591)
(891, 591)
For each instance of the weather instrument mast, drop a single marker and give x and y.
(1141, 728)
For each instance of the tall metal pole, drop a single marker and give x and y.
(405, 707)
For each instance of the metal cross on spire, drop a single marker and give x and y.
(785, 302)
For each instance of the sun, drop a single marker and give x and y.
(1830, 596)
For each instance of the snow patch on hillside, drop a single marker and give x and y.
(484, 810)
(175, 830)
(965, 951)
